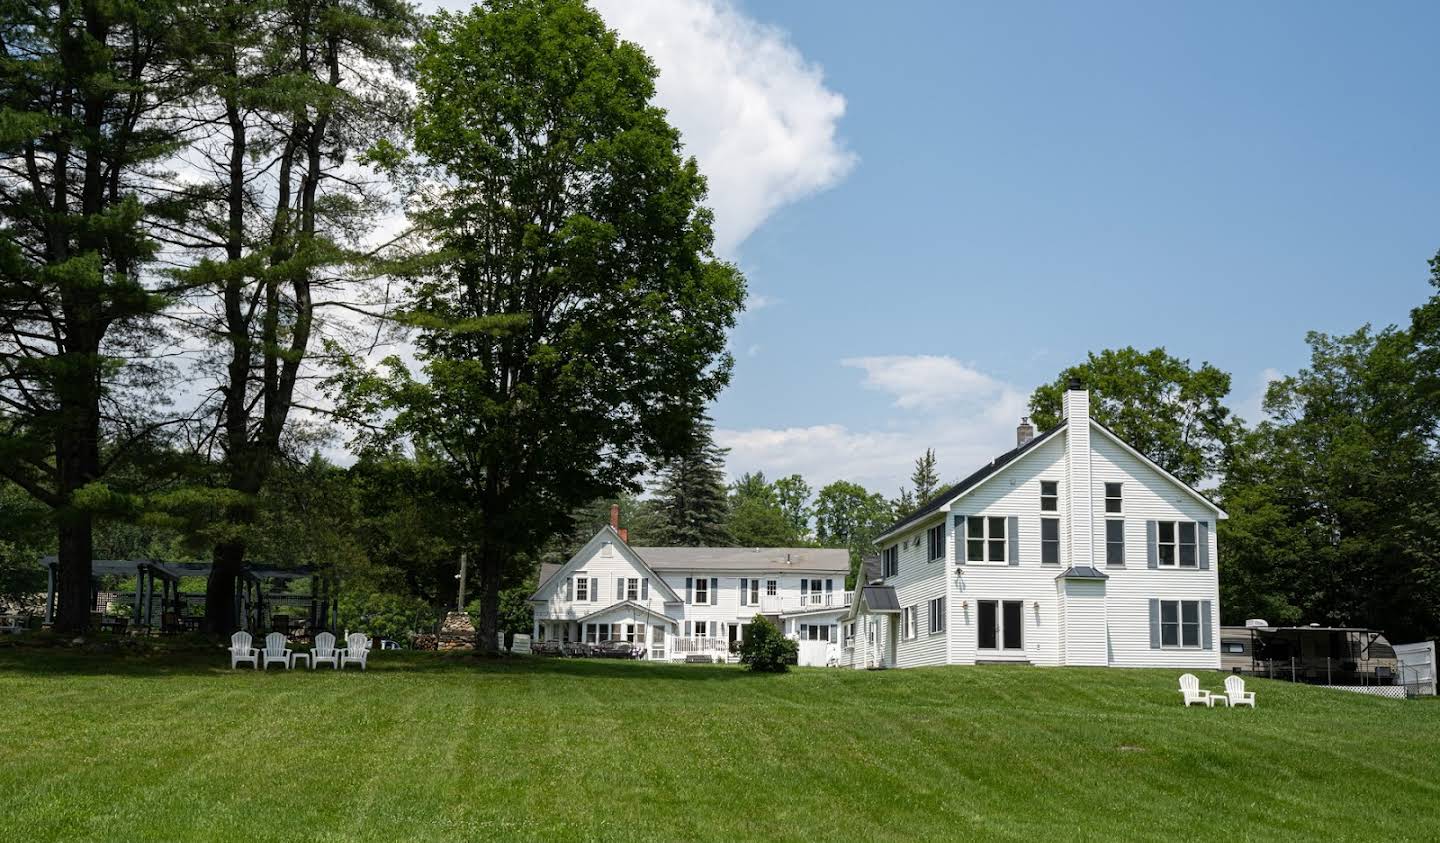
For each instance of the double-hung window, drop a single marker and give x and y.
(1049, 496)
(1175, 544)
(935, 542)
(754, 592)
(937, 615)
(1050, 541)
(907, 619)
(632, 588)
(985, 539)
(1114, 542)
(1180, 623)
(702, 590)
(1114, 502)
(582, 588)
(890, 559)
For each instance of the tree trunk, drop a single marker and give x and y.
(489, 571)
(73, 583)
(228, 560)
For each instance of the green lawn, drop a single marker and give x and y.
(448, 747)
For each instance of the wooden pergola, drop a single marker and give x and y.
(250, 597)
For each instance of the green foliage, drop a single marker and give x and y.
(793, 495)
(690, 501)
(924, 479)
(764, 649)
(1172, 413)
(847, 515)
(756, 518)
(392, 616)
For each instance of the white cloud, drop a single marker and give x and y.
(926, 381)
(752, 109)
(969, 418)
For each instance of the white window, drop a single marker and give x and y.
(985, 539)
(1114, 501)
(582, 588)
(701, 628)
(702, 590)
(907, 618)
(632, 588)
(755, 592)
(935, 542)
(1000, 624)
(814, 632)
(850, 634)
(937, 615)
(890, 561)
(1180, 623)
(1049, 496)
(1175, 544)
(771, 588)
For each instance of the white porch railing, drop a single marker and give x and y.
(805, 602)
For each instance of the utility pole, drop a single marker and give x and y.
(461, 577)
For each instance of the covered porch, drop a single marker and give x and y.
(647, 633)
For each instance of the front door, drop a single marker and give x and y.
(733, 634)
(657, 642)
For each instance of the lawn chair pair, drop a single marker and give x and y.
(1235, 693)
(277, 651)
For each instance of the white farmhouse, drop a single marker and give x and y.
(680, 602)
(1071, 549)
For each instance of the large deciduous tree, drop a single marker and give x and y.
(847, 515)
(1173, 413)
(571, 318)
(294, 91)
(87, 119)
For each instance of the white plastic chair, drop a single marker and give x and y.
(357, 649)
(1236, 694)
(324, 651)
(241, 651)
(275, 651)
(1190, 689)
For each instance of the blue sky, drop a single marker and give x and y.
(940, 205)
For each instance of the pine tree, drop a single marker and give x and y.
(691, 502)
(925, 479)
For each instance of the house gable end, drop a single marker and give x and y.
(546, 590)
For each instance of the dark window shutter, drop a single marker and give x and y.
(1152, 552)
(829, 587)
(594, 589)
(1202, 544)
(1154, 622)
(689, 590)
(619, 588)
(961, 545)
(1012, 530)
(744, 591)
(714, 591)
(645, 588)
(569, 588)
(687, 629)
(804, 588)
(1206, 638)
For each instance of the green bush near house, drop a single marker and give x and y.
(764, 649)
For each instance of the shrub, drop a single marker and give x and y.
(765, 649)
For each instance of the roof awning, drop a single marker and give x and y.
(1082, 572)
(634, 607)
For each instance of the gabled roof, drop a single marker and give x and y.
(936, 503)
(1130, 449)
(633, 606)
(879, 599)
(586, 553)
(870, 570)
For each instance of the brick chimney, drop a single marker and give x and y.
(1024, 432)
(615, 523)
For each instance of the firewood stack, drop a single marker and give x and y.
(457, 632)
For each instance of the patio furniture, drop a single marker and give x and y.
(1192, 693)
(241, 651)
(324, 651)
(275, 651)
(298, 655)
(1235, 693)
(356, 651)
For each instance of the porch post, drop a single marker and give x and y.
(139, 590)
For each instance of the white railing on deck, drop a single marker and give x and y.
(704, 646)
(806, 602)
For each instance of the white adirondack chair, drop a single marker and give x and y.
(241, 651)
(357, 649)
(275, 651)
(1235, 692)
(1191, 691)
(324, 651)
